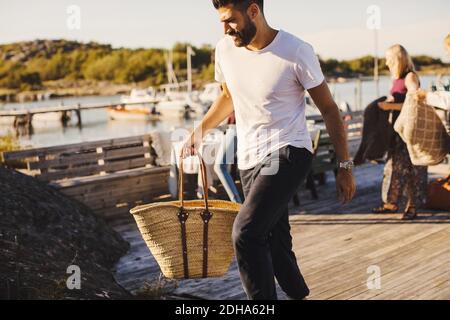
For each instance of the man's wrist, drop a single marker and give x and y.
(345, 165)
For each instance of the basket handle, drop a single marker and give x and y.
(204, 181)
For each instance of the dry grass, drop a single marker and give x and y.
(8, 143)
(157, 290)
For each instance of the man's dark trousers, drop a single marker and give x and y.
(261, 231)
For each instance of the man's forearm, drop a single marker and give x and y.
(218, 112)
(338, 135)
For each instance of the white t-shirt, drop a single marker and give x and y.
(268, 91)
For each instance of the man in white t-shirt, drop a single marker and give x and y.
(265, 73)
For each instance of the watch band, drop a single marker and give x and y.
(347, 164)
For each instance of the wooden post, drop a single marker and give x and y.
(64, 118)
(29, 120)
(41, 157)
(358, 93)
(101, 160)
(360, 101)
(78, 112)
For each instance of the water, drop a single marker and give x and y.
(346, 91)
(96, 124)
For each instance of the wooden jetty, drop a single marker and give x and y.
(25, 116)
(109, 176)
(336, 247)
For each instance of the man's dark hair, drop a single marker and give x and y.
(239, 4)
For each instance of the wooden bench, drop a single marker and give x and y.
(109, 176)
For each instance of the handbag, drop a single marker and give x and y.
(423, 132)
(438, 197)
(189, 239)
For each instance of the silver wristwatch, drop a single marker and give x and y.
(347, 164)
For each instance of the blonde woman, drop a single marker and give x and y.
(399, 173)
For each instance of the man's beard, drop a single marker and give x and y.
(246, 35)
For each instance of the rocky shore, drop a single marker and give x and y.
(45, 236)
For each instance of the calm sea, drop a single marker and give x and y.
(96, 124)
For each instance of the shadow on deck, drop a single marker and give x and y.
(337, 247)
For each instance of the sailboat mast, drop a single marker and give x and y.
(189, 55)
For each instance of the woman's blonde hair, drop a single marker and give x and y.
(447, 40)
(402, 62)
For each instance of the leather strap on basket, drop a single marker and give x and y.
(204, 181)
(205, 216)
(183, 216)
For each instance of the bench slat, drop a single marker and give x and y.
(70, 160)
(104, 187)
(109, 178)
(95, 169)
(90, 158)
(76, 147)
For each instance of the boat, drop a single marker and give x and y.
(182, 107)
(172, 100)
(139, 105)
(140, 96)
(130, 112)
(210, 92)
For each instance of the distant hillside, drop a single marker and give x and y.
(364, 66)
(36, 65)
(29, 65)
(25, 51)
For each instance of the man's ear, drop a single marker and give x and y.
(253, 11)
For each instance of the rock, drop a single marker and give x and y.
(43, 233)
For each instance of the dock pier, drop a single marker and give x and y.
(24, 117)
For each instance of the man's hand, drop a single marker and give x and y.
(219, 111)
(345, 185)
(191, 145)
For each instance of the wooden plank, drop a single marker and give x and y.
(70, 160)
(138, 172)
(87, 170)
(365, 244)
(106, 186)
(23, 112)
(93, 169)
(396, 270)
(335, 266)
(127, 152)
(130, 197)
(76, 147)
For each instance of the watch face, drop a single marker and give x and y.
(346, 164)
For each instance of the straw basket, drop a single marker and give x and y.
(189, 239)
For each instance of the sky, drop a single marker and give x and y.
(336, 29)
